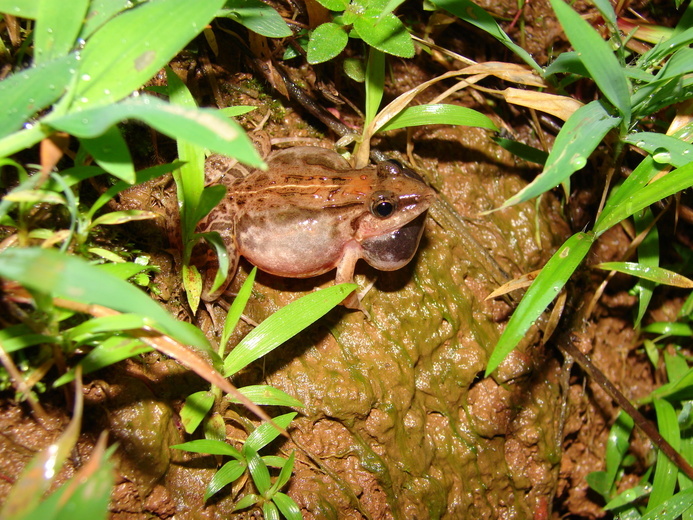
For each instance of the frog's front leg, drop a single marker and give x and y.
(345, 274)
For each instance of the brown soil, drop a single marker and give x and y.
(399, 422)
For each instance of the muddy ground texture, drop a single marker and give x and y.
(399, 422)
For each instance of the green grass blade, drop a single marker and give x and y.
(110, 151)
(256, 16)
(21, 8)
(648, 272)
(266, 433)
(597, 56)
(287, 506)
(210, 447)
(108, 352)
(148, 36)
(258, 471)
(375, 84)
(664, 149)
(236, 309)
(228, 473)
(26, 92)
(673, 508)
(665, 476)
(580, 135)
(475, 15)
(438, 114)
(204, 127)
(632, 196)
(648, 254)
(543, 290)
(57, 28)
(266, 395)
(196, 407)
(283, 325)
(50, 272)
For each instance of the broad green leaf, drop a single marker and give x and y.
(673, 508)
(523, 151)
(386, 33)
(648, 272)
(17, 337)
(580, 135)
(110, 151)
(101, 11)
(375, 84)
(108, 352)
(477, 16)
(285, 474)
(266, 433)
(21, 8)
(664, 149)
(543, 291)
(140, 177)
(439, 114)
(629, 496)
(210, 197)
(283, 325)
(287, 506)
(616, 447)
(132, 47)
(236, 310)
(267, 395)
(664, 480)
(326, 42)
(258, 471)
(196, 407)
(190, 177)
(116, 323)
(214, 239)
(50, 272)
(648, 254)
(24, 93)
(597, 56)
(632, 197)
(57, 28)
(666, 328)
(124, 270)
(567, 63)
(228, 473)
(204, 127)
(115, 218)
(334, 5)
(256, 16)
(210, 447)
(248, 500)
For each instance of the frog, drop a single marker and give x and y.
(310, 212)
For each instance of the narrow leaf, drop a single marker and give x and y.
(438, 114)
(648, 272)
(543, 291)
(283, 325)
(597, 57)
(576, 141)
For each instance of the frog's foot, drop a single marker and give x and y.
(353, 301)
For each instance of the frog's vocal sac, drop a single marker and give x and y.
(310, 212)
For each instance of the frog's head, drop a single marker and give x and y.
(399, 196)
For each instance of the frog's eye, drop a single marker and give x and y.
(383, 204)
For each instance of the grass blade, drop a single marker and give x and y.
(576, 141)
(543, 290)
(283, 325)
(438, 114)
(597, 57)
(149, 36)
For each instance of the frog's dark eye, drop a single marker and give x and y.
(383, 204)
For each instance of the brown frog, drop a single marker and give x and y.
(310, 212)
